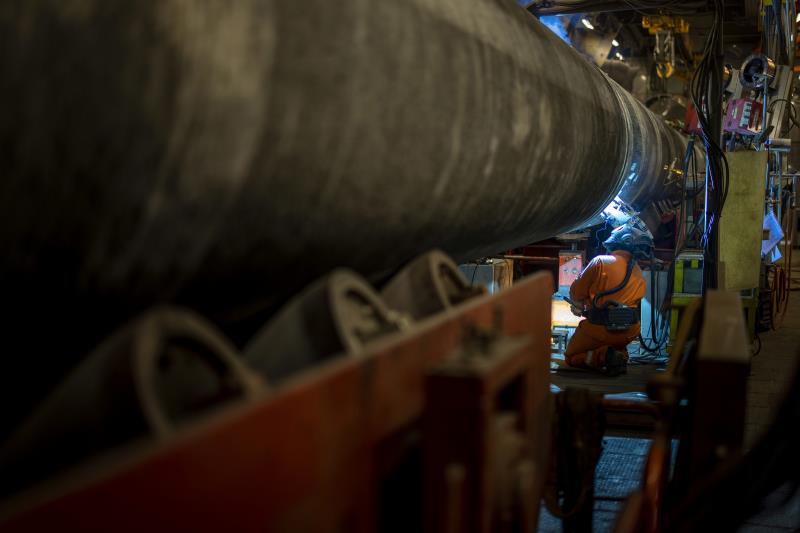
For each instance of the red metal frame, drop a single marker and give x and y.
(301, 459)
(469, 430)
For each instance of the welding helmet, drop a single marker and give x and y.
(631, 239)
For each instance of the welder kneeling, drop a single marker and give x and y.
(608, 293)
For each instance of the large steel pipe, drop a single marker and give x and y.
(223, 154)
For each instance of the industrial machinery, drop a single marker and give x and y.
(665, 30)
(231, 249)
(210, 157)
(341, 445)
(687, 285)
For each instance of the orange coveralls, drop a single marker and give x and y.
(589, 343)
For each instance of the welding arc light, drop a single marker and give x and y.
(617, 212)
(615, 42)
(588, 24)
(619, 56)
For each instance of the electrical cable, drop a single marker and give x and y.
(792, 111)
(717, 170)
(659, 332)
(660, 323)
(758, 350)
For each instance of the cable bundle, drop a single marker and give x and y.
(709, 72)
(659, 325)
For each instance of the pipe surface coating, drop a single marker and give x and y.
(222, 155)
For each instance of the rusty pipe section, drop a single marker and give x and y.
(223, 155)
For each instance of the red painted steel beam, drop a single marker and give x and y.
(304, 458)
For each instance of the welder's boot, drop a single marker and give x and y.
(616, 363)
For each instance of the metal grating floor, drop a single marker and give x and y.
(618, 473)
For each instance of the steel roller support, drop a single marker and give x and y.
(223, 155)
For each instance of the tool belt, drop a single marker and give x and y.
(614, 315)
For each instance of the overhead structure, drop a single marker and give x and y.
(562, 7)
(223, 156)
